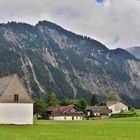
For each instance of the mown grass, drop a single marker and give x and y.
(108, 129)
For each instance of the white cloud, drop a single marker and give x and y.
(110, 21)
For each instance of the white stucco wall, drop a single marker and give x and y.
(112, 107)
(97, 114)
(118, 107)
(78, 118)
(88, 113)
(66, 118)
(16, 113)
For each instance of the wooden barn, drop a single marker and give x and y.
(16, 106)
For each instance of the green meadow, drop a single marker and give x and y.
(108, 129)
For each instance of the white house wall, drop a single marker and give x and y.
(118, 107)
(78, 118)
(16, 113)
(112, 107)
(66, 118)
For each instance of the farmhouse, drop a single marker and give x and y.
(98, 111)
(65, 113)
(117, 106)
(16, 106)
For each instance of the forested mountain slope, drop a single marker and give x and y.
(49, 58)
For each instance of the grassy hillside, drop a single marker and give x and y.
(110, 129)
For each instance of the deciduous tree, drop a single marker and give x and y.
(52, 99)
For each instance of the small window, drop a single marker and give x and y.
(16, 98)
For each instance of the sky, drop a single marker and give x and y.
(115, 23)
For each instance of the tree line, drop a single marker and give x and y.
(40, 106)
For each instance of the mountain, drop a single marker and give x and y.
(135, 51)
(49, 58)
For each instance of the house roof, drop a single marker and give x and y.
(62, 110)
(110, 103)
(4, 82)
(99, 109)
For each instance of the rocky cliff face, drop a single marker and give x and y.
(135, 51)
(49, 58)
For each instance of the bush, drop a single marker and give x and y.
(123, 115)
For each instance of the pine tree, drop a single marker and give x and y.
(94, 100)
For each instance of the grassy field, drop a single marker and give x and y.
(109, 129)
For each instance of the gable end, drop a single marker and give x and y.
(15, 88)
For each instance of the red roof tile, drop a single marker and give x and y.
(64, 111)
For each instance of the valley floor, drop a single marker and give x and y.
(109, 129)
